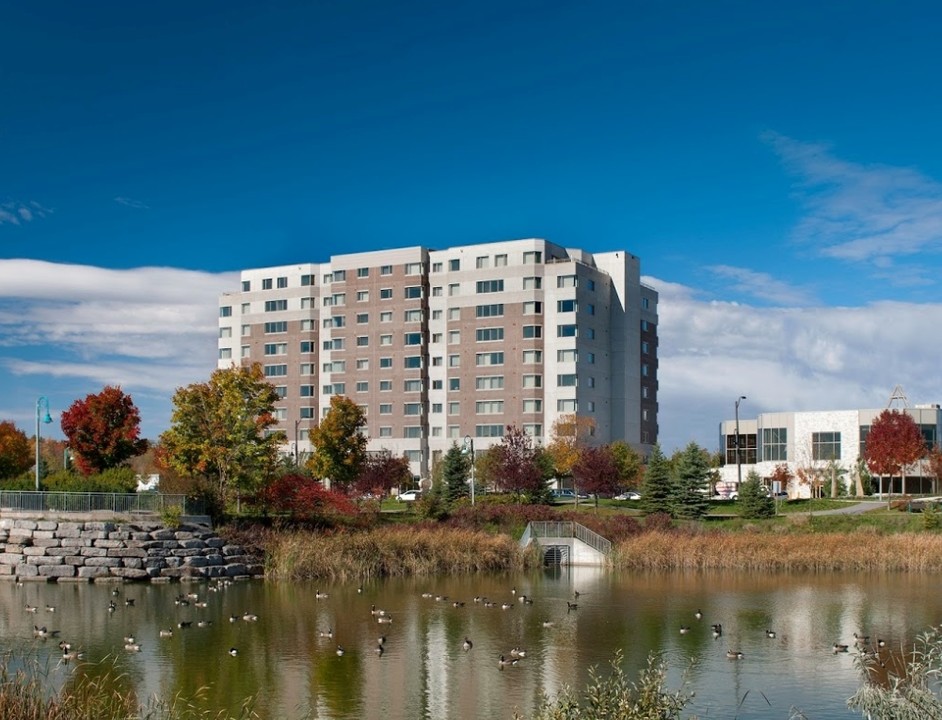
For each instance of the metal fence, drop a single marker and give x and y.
(567, 529)
(87, 502)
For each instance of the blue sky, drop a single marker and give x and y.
(777, 169)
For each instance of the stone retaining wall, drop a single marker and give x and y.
(45, 550)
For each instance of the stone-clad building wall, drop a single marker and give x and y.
(45, 550)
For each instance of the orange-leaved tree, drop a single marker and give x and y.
(15, 450)
(894, 441)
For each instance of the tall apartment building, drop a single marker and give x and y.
(439, 345)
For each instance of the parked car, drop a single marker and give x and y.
(409, 496)
(735, 494)
(630, 495)
(564, 493)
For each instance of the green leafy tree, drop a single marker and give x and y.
(894, 441)
(656, 485)
(456, 467)
(690, 486)
(15, 451)
(630, 464)
(753, 501)
(103, 430)
(339, 443)
(220, 430)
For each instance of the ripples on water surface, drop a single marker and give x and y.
(424, 672)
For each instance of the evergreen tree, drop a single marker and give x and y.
(753, 501)
(689, 498)
(456, 467)
(656, 486)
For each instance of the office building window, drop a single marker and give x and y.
(489, 382)
(531, 332)
(486, 334)
(489, 286)
(489, 431)
(532, 356)
(775, 444)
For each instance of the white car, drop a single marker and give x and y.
(409, 496)
(630, 495)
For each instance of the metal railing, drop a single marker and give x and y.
(86, 502)
(566, 529)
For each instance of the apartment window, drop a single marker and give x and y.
(590, 285)
(246, 351)
(413, 316)
(246, 285)
(489, 407)
(532, 356)
(282, 283)
(225, 332)
(437, 291)
(590, 382)
(590, 407)
(385, 385)
(437, 385)
(436, 314)
(385, 432)
(246, 308)
(454, 289)
(412, 362)
(645, 303)
(385, 408)
(532, 381)
(532, 283)
(246, 330)
(307, 325)
(276, 305)
(413, 292)
(363, 364)
(385, 363)
(363, 340)
(385, 293)
(532, 307)
(532, 257)
(363, 318)
(307, 413)
(775, 444)
(385, 270)
(590, 309)
(566, 281)
(412, 386)
(281, 391)
(567, 330)
(437, 267)
(276, 327)
(454, 384)
(566, 306)
(566, 380)
(363, 295)
(533, 429)
(276, 370)
(436, 432)
(412, 338)
(437, 338)
(385, 317)
(567, 355)
(590, 358)
(500, 261)
(488, 334)
(307, 280)
(412, 432)
(306, 346)
(337, 366)
(454, 361)
(307, 303)
(531, 332)
(437, 361)
(266, 284)
(280, 414)
(454, 313)
(566, 406)
(489, 382)
(532, 405)
(363, 272)
(590, 333)
(385, 340)
(454, 408)
(306, 390)
(412, 409)
(454, 337)
(413, 268)
(306, 369)
(482, 263)
(225, 311)
(489, 431)
(489, 358)
(454, 432)
(826, 446)
(495, 310)
(454, 265)
(328, 278)
(276, 348)
(644, 369)
(340, 388)
(335, 344)
(644, 391)
(225, 353)
(489, 286)
(340, 275)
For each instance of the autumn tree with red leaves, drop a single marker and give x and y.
(894, 441)
(15, 451)
(597, 472)
(516, 466)
(380, 472)
(304, 498)
(103, 430)
(935, 466)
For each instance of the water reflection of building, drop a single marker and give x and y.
(818, 445)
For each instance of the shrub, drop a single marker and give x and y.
(170, 516)
(113, 480)
(304, 498)
(931, 517)
(660, 521)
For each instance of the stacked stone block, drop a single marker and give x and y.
(46, 550)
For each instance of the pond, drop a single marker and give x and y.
(287, 659)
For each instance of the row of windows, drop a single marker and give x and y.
(529, 357)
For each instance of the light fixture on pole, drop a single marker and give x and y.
(40, 404)
(296, 423)
(738, 456)
(469, 450)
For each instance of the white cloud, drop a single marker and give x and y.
(810, 358)
(762, 285)
(13, 212)
(131, 203)
(863, 213)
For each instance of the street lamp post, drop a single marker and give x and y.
(738, 456)
(469, 450)
(40, 404)
(296, 456)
